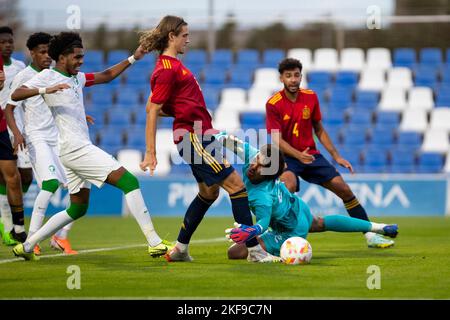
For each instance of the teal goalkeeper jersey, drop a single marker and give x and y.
(270, 201)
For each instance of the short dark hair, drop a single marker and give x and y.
(272, 152)
(64, 43)
(289, 64)
(38, 38)
(6, 29)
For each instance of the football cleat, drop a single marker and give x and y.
(261, 256)
(377, 241)
(391, 230)
(7, 240)
(160, 249)
(19, 251)
(37, 250)
(19, 237)
(175, 255)
(62, 245)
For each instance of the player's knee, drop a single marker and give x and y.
(345, 192)
(50, 185)
(13, 180)
(290, 181)
(77, 210)
(237, 251)
(128, 182)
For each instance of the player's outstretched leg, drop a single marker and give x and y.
(6, 216)
(61, 242)
(129, 184)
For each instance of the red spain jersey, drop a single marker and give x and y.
(174, 86)
(294, 119)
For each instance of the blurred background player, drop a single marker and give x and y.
(295, 115)
(176, 93)
(61, 87)
(276, 207)
(11, 198)
(38, 133)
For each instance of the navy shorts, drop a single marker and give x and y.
(204, 156)
(6, 149)
(318, 172)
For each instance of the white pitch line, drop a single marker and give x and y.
(109, 249)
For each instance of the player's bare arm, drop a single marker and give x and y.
(150, 161)
(2, 79)
(24, 92)
(114, 71)
(325, 139)
(19, 140)
(302, 156)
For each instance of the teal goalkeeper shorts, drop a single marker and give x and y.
(274, 239)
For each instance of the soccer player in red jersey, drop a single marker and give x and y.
(176, 93)
(294, 115)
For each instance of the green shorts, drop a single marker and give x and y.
(274, 239)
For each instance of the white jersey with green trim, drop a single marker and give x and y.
(38, 123)
(10, 71)
(67, 107)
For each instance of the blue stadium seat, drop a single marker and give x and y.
(387, 118)
(92, 67)
(366, 99)
(181, 169)
(409, 139)
(340, 98)
(211, 97)
(135, 140)
(272, 57)
(381, 138)
(445, 74)
(241, 78)
(111, 135)
(222, 58)
(128, 96)
(319, 79)
(94, 57)
(253, 120)
(165, 123)
(354, 137)
(119, 118)
(443, 98)
(333, 117)
(405, 57)
(215, 75)
(425, 76)
(137, 75)
(102, 98)
(361, 117)
(402, 161)
(447, 56)
(116, 56)
(98, 115)
(431, 56)
(375, 162)
(346, 79)
(430, 162)
(21, 55)
(195, 57)
(247, 57)
(349, 153)
(148, 62)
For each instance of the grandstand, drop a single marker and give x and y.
(387, 112)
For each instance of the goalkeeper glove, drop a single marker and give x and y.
(241, 233)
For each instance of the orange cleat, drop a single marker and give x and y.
(62, 245)
(37, 250)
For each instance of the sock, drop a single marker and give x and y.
(39, 209)
(257, 247)
(194, 215)
(355, 209)
(241, 212)
(63, 232)
(377, 227)
(136, 204)
(55, 223)
(182, 246)
(345, 224)
(18, 218)
(5, 210)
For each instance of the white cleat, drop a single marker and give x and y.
(176, 255)
(261, 256)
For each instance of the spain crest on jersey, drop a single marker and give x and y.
(306, 113)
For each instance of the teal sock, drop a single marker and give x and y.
(345, 224)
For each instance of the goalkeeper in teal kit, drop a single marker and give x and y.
(279, 213)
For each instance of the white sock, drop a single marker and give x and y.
(18, 228)
(39, 209)
(5, 211)
(136, 204)
(62, 233)
(378, 227)
(55, 223)
(257, 247)
(182, 246)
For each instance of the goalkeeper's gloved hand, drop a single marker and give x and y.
(222, 136)
(241, 233)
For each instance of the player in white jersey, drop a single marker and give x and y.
(62, 89)
(40, 136)
(12, 229)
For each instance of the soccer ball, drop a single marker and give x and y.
(296, 250)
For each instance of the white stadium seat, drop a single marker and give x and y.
(372, 79)
(440, 119)
(352, 59)
(326, 59)
(420, 98)
(304, 55)
(436, 140)
(233, 99)
(257, 99)
(447, 163)
(414, 120)
(267, 78)
(393, 99)
(399, 78)
(130, 159)
(378, 58)
(226, 120)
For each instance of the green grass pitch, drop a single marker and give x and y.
(417, 267)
